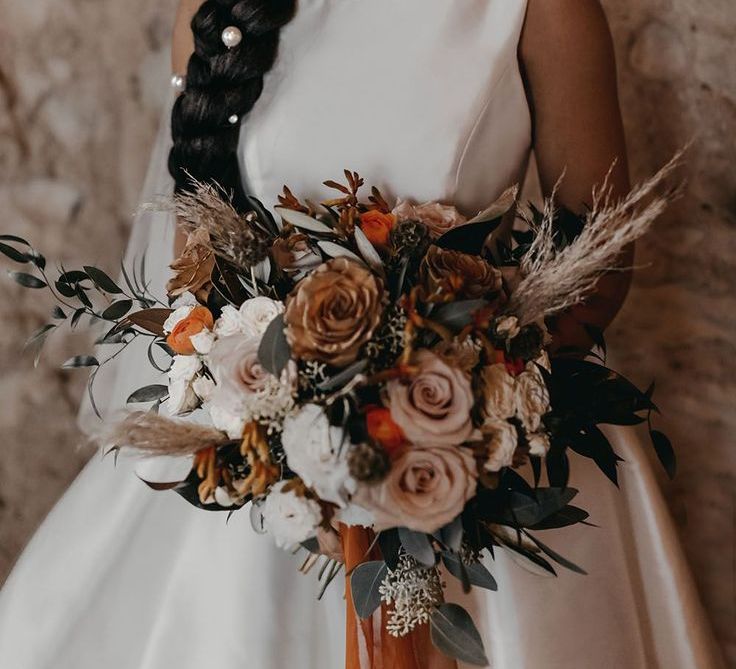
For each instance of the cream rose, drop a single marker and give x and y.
(251, 320)
(501, 441)
(532, 398)
(434, 406)
(498, 392)
(426, 489)
(438, 218)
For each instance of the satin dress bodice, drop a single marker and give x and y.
(424, 99)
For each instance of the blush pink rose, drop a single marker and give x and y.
(439, 218)
(434, 406)
(426, 489)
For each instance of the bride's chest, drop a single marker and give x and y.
(413, 94)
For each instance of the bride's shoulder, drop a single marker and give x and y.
(564, 29)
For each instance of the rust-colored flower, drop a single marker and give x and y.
(294, 255)
(333, 312)
(193, 268)
(199, 319)
(383, 429)
(460, 274)
(377, 227)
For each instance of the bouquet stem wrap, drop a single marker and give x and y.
(368, 643)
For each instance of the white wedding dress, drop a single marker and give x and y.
(424, 99)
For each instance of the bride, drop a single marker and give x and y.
(442, 100)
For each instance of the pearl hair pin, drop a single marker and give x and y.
(233, 119)
(178, 82)
(232, 36)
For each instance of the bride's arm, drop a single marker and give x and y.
(181, 49)
(570, 70)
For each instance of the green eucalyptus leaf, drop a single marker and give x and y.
(27, 280)
(454, 633)
(102, 280)
(81, 361)
(150, 393)
(559, 559)
(14, 254)
(344, 376)
(418, 545)
(339, 251)
(117, 310)
(274, 352)
(304, 222)
(476, 572)
(365, 582)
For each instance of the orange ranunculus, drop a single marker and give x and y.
(382, 428)
(199, 319)
(377, 226)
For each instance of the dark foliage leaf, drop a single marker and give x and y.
(73, 277)
(559, 559)
(531, 561)
(14, 254)
(117, 310)
(456, 315)
(454, 633)
(150, 393)
(15, 239)
(390, 545)
(102, 280)
(81, 361)
(665, 452)
(528, 511)
(274, 352)
(451, 535)
(264, 215)
(593, 444)
(476, 573)
(65, 289)
(27, 280)
(418, 545)
(364, 584)
(39, 335)
(58, 313)
(469, 238)
(570, 515)
(77, 315)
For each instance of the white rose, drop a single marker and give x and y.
(251, 320)
(353, 514)
(184, 368)
(499, 391)
(532, 398)
(317, 452)
(230, 423)
(203, 341)
(256, 314)
(176, 316)
(538, 444)
(508, 327)
(182, 398)
(502, 442)
(290, 519)
(204, 387)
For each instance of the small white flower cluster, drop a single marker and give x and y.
(290, 518)
(525, 398)
(413, 592)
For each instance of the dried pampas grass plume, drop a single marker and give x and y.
(149, 434)
(232, 235)
(553, 280)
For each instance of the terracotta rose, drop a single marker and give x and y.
(333, 312)
(426, 489)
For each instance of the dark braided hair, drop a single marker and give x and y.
(220, 83)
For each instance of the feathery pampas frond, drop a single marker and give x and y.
(553, 280)
(208, 206)
(151, 434)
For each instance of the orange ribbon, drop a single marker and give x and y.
(368, 644)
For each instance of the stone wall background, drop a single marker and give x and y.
(81, 86)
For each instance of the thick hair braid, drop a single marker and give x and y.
(223, 82)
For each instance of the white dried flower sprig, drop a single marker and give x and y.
(553, 280)
(412, 592)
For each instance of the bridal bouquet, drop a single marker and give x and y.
(372, 378)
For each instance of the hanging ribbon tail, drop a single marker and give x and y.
(368, 643)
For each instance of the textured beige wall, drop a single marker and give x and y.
(80, 88)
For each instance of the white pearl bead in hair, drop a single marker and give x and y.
(178, 82)
(233, 119)
(232, 36)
